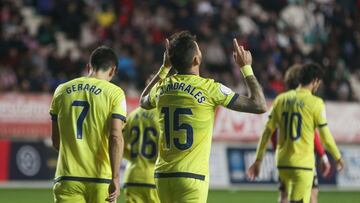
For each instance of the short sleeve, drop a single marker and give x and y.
(271, 122)
(320, 114)
(54, 106)
(222, 95)
(119, 105)
(152, 95)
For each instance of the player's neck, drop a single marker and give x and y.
(100, 75)
(309, 87)
(192, 71)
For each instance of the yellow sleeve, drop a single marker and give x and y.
(119, 105)
(126, 135)
(325, 135)
(152, 95)
(267, 133)
(222, 95)
(54, 106)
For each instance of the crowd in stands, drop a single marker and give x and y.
(44, 43)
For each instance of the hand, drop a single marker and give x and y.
(254, 170)
(114, 191)
(325, 167)
(242, 57)
(340, 164)
(166, 59)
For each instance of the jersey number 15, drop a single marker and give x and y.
(177, 126)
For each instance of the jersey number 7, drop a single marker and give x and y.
(85, 105)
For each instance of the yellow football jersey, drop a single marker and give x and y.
(186, 107)
(297, 113)
(83, 108)
(141, 135)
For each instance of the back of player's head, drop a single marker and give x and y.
(182, 50)
(103, 58)
(310, 72)
(292, 77)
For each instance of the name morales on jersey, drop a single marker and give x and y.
(197, 94)
(83, 87)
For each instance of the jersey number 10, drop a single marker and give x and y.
(289, 122)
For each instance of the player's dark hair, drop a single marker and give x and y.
(291, 79)
(182, 50)
(310, 72)
(103, 58)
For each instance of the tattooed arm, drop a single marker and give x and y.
(256, 102)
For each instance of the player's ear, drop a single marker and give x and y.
(113, 71)
(88, 68)
(196, 60)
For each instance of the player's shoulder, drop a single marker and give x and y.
(316, 100)
(62, 87)
(73, 81)
(285, 95)
(112, 89)
(206, 81)
(112, 86)
(212, 85)
(143, 114)
(133, 113)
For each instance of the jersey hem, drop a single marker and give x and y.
(132, 184)
(233, 99)
(295, 168)
(180, 175)
(53, 117)
(82, 179)
(118, 116)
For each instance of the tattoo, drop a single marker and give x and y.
(255, 103)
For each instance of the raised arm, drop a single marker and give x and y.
(116, 146)
(164, 70)
(255, 102)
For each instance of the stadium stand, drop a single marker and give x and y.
(46, 42)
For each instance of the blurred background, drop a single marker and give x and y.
(44, 43)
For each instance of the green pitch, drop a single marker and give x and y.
(215, 196)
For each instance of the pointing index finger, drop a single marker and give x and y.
(236, 46)
(167, 44)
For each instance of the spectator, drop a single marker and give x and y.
(279, 33)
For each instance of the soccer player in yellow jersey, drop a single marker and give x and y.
(87, 118)
(186, 106)
(141, 135)
(291, 82)
(297, 113)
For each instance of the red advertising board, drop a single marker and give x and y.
(26, 115)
